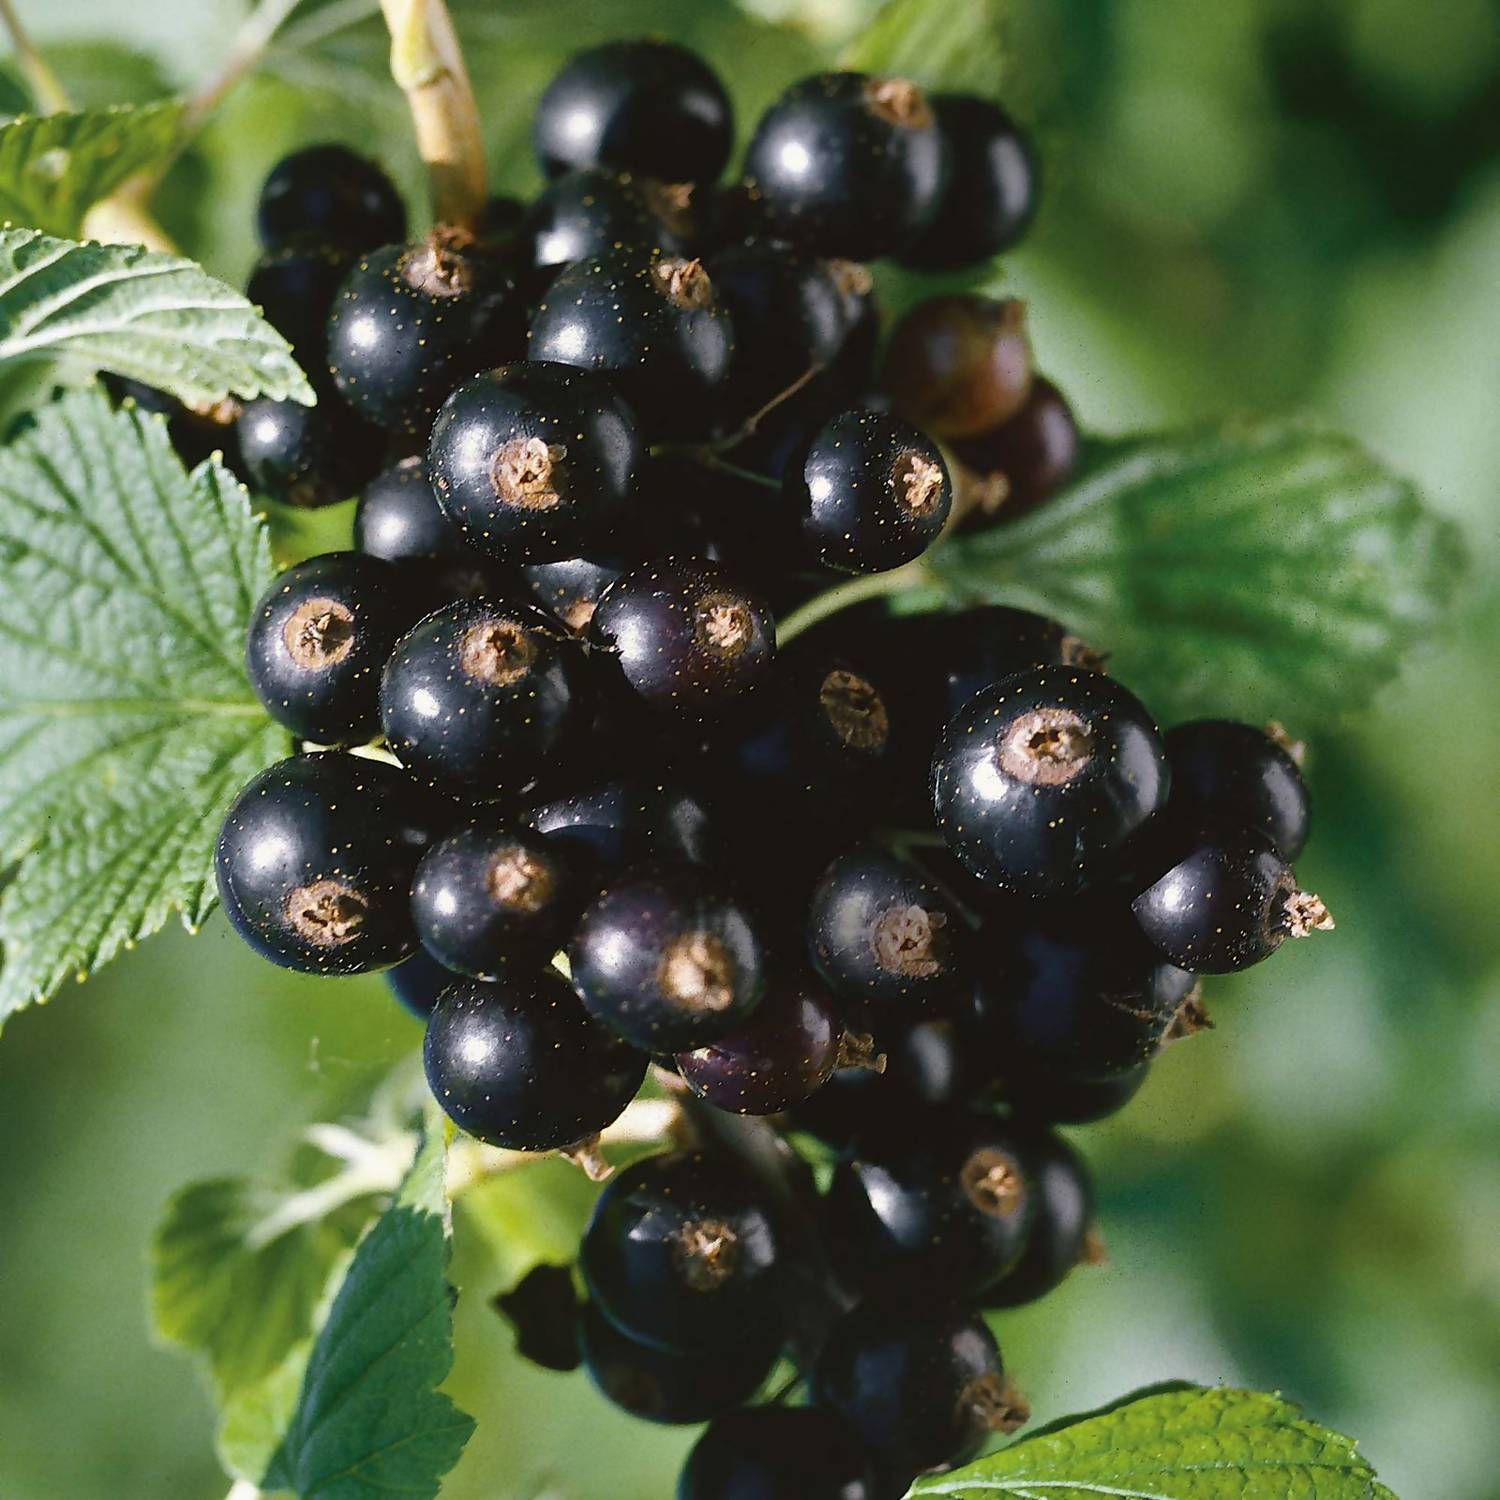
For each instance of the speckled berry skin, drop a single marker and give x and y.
(398, 517)
(848, 165)
(668, 958)
(1062, 1193)
(307, 456)
(330, 194)
(684, 637)
(991, 191)
(315, 860)
(534, 461)
(1226, 772)
(635, 106)
(318, 640)
(761, 1452)
(411, 322)
(519, 1064)
(1034, 455)
(1041, 778)
(417, 982)
(869, 492)
(481, 695)
(588, 212)
(655, 323)
(571, 587)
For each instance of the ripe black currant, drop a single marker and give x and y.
(1224, 899)
(668, 958)
(491, 895)
(411, 322)
(330, 194)
(571, 587)
(959, 365)
(519, 1064)
(534, 461)
(482, 695)
(398, 517)
(1041, 778)
(305, 455)
(991, 190)
(586, 213)
(416, 982)
(654, 323)
(1062, 1194)
(195, 434)
(848, 165)
(294, 287)
(681, 1253)
(1024, 461)
(639, 106)
(777, 1453)
(1236, 774)
(661, 1385)
(920, 1382)
(685, 638)
(315, 860)
(1038, 1094)
(870, 492)
(317, 642)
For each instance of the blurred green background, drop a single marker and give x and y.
(1250, 204)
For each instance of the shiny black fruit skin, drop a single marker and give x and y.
(416, 983)
(412, 322)
(315, 860)
(398, 517)
(920, 1382)
(952, 1206)
(492, 895)
(668, 959)
(318, 639)
(879, 932)
(660, 1385)
(684, 637)
(1062, 1192)
(848, 165)
(774, 1453)
(482, 695)
(571, 587)
(648, 107)
(533, 461)
(1236, 774)
(1041, 1096)
(519, 1064)
(307, 456)
(330, 194)
(1040, 779)
(656, 324)
(990, 195)
(1027, 459)
(586, 213)
(682, 1254)
(870, 492)
(294, 286)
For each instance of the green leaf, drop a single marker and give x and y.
(1264, 569)
(369, 1421)
(152, 317)
(1179, 1444)
(54, 168)
(955, 48)
(126, 722)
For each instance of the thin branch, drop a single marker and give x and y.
(44, 83)
(255, 35)
(912, 575)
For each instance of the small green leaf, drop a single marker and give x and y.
(54, 168)
(1189, 1443)
(253, 1418)
(1265, 570)
(126, 722)
(152, 317)
(942, 46)
(369, 1420)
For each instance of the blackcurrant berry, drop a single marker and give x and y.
(491, 895)
(654, 323)
(398, 517)
(194, 434)
(534, 460)
(519, 1064)
(571, 587)
(1038, 1094)
(781, 1056)
(543, 1310)
(870, 492)
(330, 194)
(412, 322)
(318, 640)
(848, 165)
(1225, 899)
(315, 860)
(635, 106)
(661, 1385)
(668, 958)
(1041, 778)
(1025, 461)
(1062, 1194)
(777, 1453)
(1236, 774)
(920, 1382)
(960, 365)
(681, 1253)
(684, 637)
(416, 982)
(586, 213)
(991, 190)
(294, 287)
(482, 695)
(305, 455)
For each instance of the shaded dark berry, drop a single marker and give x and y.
(1025, 461)
(306, 456)
(1236, 774)
(543, 1310)
(1062, 1194)
(398, 517)
(1039, 1094)
(330, 194)
(586, 213)
(294, 287)
(416, 982)
(571, 587)
(775, 1453)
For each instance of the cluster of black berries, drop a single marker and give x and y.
(919, 886)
